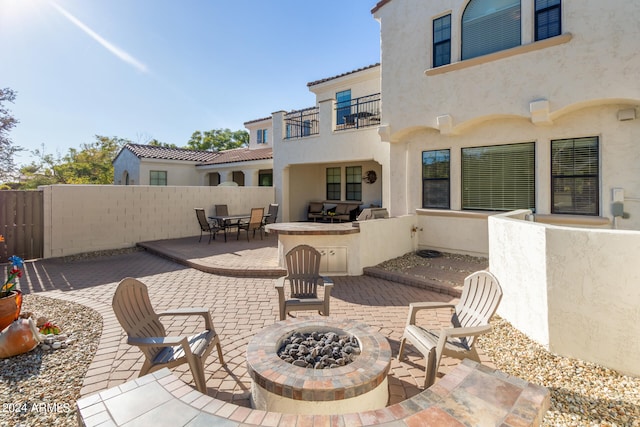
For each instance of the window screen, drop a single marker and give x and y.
(490, 26)
(499, 178)
(265, 178)
(442, 41)
(333, 183)
(548, 20)
(157, 177)
(435, 179)
(575, 176)
(354, 182)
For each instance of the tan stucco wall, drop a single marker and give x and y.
(574, 86)
(595, 64)
(573, 290)
(619, 157)
(178, 173)
(377, 240)
(86, 218)
(453, 231)
(250, 169)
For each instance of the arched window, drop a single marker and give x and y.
(490, 26)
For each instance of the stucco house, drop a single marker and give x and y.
(138, 164)
(495, 105)
(246, 166)
(331, 152)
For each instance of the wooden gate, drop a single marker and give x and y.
(21, 224)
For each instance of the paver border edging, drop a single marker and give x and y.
(508, 401)
(221, 271)
(411, 280)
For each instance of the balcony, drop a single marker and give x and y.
(301, 123)
(358, 113)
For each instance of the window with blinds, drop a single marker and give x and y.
(435, 179)
(499, 178)
(490, 26)
(575, 176)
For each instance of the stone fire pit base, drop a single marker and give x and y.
(369, 401)
(279, 386)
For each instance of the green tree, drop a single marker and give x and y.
(91, 164)
(7, 149)
(39, 172)
(218, 140)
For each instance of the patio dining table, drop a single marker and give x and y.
(230, 221)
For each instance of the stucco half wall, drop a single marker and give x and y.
(87, 218)
(574, 290)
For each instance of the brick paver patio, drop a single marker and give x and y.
(240, 306)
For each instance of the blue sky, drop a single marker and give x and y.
(144, 69)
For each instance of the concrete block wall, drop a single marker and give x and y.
(87, 218)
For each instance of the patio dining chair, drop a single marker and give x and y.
(206, 226)
(273, 214)
(254, 223)
(303, 276)
(223, 210)
(480, 298)
(137, 317)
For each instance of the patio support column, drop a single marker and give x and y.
(326, 117)
(280, 165)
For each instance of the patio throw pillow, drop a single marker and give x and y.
(315, 207)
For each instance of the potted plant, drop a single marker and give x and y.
(10, 297)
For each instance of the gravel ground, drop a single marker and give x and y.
(40, 388)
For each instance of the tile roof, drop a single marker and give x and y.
(317, 82)
(241, 155)
(164, 153)
(257, 120)
(379, 5)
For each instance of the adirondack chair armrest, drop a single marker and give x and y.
(280, 289)
(415, 307)
(191, 311)
(327, 283)
(157, 341)
(466, 332)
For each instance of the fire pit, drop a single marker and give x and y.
(279, 386)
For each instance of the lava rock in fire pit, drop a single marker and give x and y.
(318, 350)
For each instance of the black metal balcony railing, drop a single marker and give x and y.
(301, 123)
(358, 113)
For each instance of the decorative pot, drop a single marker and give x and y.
(10, 308)
(20, 337)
